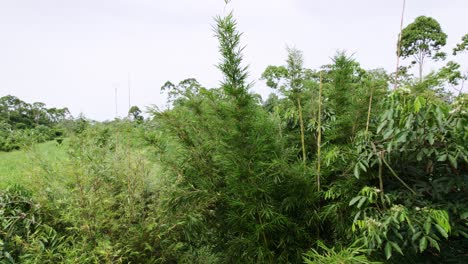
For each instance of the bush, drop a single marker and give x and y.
(23, 231)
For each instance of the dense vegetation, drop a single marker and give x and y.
(22, 123)
(334, 167)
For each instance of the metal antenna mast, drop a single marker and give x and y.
(399, 46)
(129, 91)
(116, 109)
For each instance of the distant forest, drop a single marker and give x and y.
(20, 121)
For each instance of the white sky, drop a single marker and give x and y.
(74, 53)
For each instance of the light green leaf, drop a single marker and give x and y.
(356, 217)
(354, 200)
(356, 171)
(381, 126)
(441, 231)
(402, 137)
(397, 248)
(430, 138)
(418, 102)
(427, 226)
(442, 157)
(362, 166)
(439, 116)
(361, 202)
(387, 133)
(416, 236)
(422, 244)
(453, 161)
(388, 250)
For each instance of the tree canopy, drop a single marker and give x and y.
(422, 39)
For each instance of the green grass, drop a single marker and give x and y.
(20, 167)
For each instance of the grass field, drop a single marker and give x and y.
(20, 167)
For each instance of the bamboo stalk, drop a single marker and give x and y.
(380, 172)
(280, 128)
(319, 133)
(369, 110)
(301, 123)
(381, 179)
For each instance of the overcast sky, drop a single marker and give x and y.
(74, 53)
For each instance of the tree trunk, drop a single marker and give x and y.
(369, 110)
(420, 71)
(319, 133)
(421, 63)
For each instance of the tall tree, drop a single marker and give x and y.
(422, 39)
(135, 113)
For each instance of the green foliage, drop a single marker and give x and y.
(18, 167)
(109, 196)
(219, 177)
(435, 84)
(461, 47)
(348, 91)
(22, 124)
(20, 114)
(326, 255)
(23, 232)
(229, 165)
(391, 227)
(135, 113)
(293, 81)
(96, 207)
(424, 142)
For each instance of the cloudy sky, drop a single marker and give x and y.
(75, 53)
